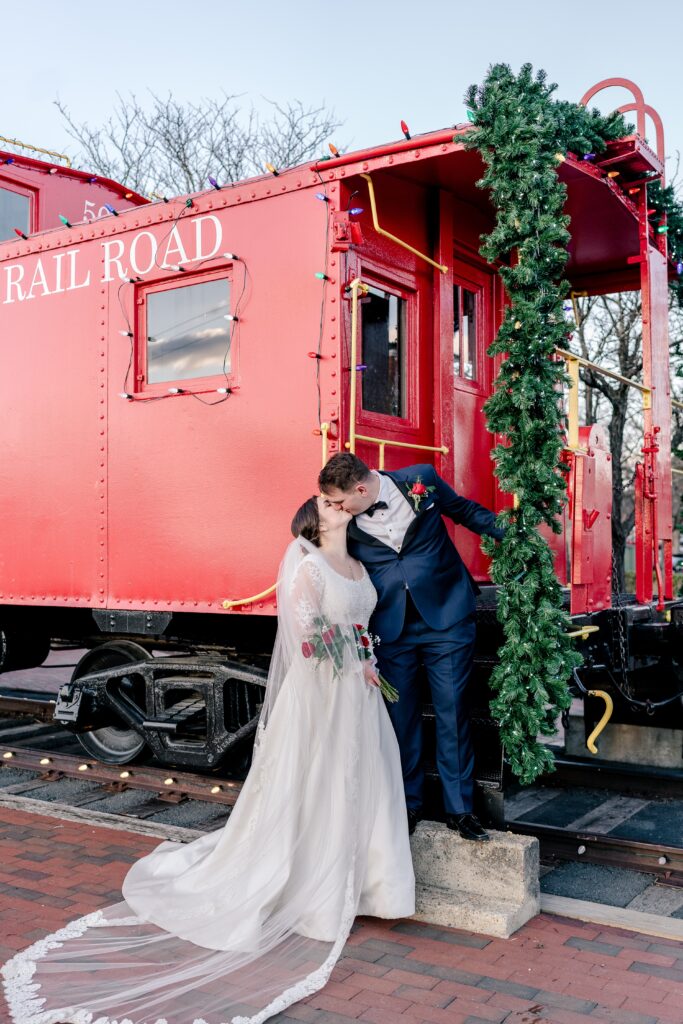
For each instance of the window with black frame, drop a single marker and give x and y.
(15, 212)
(384, 325)
(465, 327)
(188, 331)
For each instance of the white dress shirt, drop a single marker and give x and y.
(390, 524)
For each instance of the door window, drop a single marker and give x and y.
(466, 330)
(384, 325)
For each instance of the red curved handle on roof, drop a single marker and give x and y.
(639, 105)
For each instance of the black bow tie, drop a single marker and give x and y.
(378, 504)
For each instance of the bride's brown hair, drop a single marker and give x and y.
(306, 522)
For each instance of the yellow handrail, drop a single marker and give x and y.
(387, 234)
(250, 600)
(573, 404)
(36, 149)
(383, 442)
(609, 708)
(324, 430)
(573, 362)
(583, 631)
(355, 287)
(601, 370)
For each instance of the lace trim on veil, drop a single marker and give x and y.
(25, 1004)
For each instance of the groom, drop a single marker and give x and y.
(425, 613)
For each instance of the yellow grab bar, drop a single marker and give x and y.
(382, 442)
(324, 430)
(355, 287)
(250, 600)
(387, 234)
(583, 631)
(609, 708)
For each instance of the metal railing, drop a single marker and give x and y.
(383, 443)
(573, 362)
(36, 149)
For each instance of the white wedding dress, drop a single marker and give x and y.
(243, 922)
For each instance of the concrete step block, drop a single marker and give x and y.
(490, 887)
(473, 913)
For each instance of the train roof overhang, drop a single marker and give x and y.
(17, 161)
(604, 223)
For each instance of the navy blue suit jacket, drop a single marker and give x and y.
(428, 563)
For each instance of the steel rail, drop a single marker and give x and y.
(565, 844)
(26, 704)
(168, 784)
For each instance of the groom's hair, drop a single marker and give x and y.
(343, 472)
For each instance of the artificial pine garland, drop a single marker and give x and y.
(522, 133)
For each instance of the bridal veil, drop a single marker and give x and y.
(242, 922)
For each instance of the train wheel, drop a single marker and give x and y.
(116, 743)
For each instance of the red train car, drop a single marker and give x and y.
(173, 373)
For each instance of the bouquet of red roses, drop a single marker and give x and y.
(325, 643)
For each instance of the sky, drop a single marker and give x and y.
(373, 63)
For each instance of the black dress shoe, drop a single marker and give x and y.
(413, 818)
(468, 826)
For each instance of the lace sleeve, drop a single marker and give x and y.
(306, 592)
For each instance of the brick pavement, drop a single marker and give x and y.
(552, 971)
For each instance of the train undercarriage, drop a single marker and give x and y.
(167, 690)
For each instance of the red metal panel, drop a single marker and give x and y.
(656, 494)
(53, 452)
(201, 497)
(591, 509)
(598, 519)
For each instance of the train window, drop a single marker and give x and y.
(465, 326)
(15, 211)
(188, 333)
(384, 353)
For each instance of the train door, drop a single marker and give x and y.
(470, 441)
(394, 423)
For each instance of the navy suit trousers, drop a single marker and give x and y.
(447, 656)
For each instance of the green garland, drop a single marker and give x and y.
(520, 130)
(663, 201)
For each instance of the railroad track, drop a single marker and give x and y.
(43, 760)
(618, 815)
(573, 820)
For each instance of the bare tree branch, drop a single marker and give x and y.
(171, 148)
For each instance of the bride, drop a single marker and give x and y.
(245, 921)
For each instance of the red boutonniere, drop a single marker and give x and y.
(418, 492)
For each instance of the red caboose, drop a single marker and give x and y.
(173, 374)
